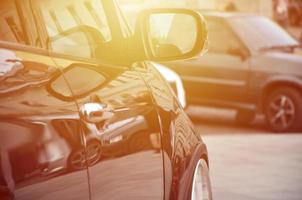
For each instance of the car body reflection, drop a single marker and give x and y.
(47, 143)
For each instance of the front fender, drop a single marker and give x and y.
(185, 184)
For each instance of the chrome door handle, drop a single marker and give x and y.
(95, 112)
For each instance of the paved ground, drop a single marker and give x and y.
(249, 162)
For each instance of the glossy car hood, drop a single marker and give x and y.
(278, 62)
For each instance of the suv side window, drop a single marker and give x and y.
(10, 25)
(221, 37)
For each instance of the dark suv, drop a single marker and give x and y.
(83, 115)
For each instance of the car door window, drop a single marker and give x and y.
(60, 16)
(70, 43)
(221, 37)
(10, 26)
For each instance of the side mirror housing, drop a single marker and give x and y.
(171, 34)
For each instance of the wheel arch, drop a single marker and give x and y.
(199, 153)
(273, 85)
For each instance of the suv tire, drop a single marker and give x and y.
(283, 110)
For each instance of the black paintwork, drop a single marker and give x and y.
(146, 149)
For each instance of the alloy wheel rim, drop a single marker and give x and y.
(281, 112)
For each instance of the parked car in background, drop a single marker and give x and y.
(251, 67)
(84, 115)
(288, 12)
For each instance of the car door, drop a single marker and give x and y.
(38, 131)
(119, 121)
(221, 74)
(121, 130)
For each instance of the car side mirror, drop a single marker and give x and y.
(171, 34)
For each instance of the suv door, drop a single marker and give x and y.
(39, 135)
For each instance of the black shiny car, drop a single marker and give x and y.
(84, 116)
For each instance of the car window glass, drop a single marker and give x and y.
(60, 16)
(80, 79)
(125, 27)
(69, 44)
(221, 37)
(10, 26)
(257, 31)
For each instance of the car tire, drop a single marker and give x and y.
(245, 117)
(283, 110)
(201, 184)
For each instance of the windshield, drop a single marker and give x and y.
(260, 33)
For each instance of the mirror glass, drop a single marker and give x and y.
(172, 34)
(81, 80)
(69, 43)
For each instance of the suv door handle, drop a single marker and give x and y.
(95, 112)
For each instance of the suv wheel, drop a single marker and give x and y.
(283, 110)
(201, 186)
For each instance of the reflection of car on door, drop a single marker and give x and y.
(85, 78)
(250, 66)
(29, 138)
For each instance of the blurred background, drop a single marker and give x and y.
(286, 12)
